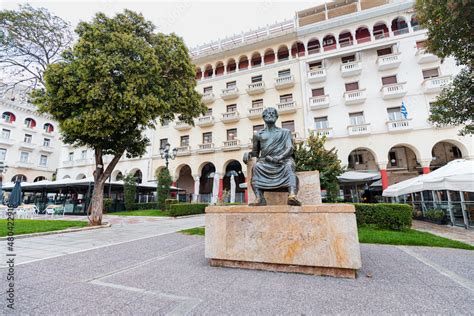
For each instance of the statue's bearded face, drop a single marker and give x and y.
(270, 115)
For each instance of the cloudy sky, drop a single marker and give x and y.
(198, 22)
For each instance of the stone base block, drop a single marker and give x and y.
(313, 239)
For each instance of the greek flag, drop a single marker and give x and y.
(404, 111)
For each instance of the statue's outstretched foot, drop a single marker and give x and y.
(293, 201)
(260, 202)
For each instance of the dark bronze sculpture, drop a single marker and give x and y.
(275, 167)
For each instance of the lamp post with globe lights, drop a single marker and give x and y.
(166, 154)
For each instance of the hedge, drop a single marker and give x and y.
(183, 209)
(384, 215)
(145, 206)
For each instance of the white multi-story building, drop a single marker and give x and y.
(28, 140)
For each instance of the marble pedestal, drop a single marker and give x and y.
(313, 239)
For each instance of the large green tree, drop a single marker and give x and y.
(112, 85)
(450, 25)
(30, 40)
(312, 155)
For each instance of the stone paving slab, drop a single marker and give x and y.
(452, 232)
(168, 274)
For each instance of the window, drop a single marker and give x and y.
(5, 133)
(3, 154)
(184, 141)
(317, 92)
(384, 51)
(163, 142)
(70, 156)
(231, 108)
(395, 114)
(257, 103)
(84, 154)
(315, 65)
(257, 128)
(27, 138)
(231, 134)
(357, 118)
(430, 73)
(24, 156)
(209, 112)
(231, 84)
(392, 157)
(284, 73)
(348, 59)
(321, 122)
(46, 142)
(355, 159)
(256, 79)
(389, 80)
(43, 160)
(48, 128)
(207, 138)
(353, 86)
(207, 89)
(8, 117)
(290, 125)
(30, 123)
(286, 98)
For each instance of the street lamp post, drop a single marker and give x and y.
(166, 154)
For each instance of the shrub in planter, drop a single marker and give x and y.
(168, 202)
(183, 209)
(436, 216)
(384, 215)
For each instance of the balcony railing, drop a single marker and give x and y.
(207, 120)
(351, 69)
(324, 132)
(256, 88)
(230, 93)
(183, 151)
(393, 91)
(423, 56)
(182, 126)
(286, 107)
(355, 97)
(231, 145)
(399, 125)
(389, 61)
(47, 149)
(6, 141)
(360, 129)
(284, 82)
(317, 75)
(208, 98)
(229, 117)
(205, 148)
(26, 145)
(433, 85)
(319, 102)
(255, 113)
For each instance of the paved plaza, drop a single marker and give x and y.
(161, 272)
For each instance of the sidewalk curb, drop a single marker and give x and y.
(55, 232)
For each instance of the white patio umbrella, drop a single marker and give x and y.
(215, 189)
(196, 190)
(232, 189)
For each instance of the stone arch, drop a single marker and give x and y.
(298, 49)
(233, 167)
(445, 151)
(345, 38)
(206, 179)
(269, 56)
(283, 53)
(67, 177)
(198, 73)
(362, 34)
(231, 65)
(314, 46)
(137, 173)
(403, 155)
(40, 178)
(362, 158)
(329, 42)
(19, 177)
(380, 30)
(117, 175)
(243, 62)
(415, 25)
(208, 71)
(80, 176)
(219, 70)
(256, 60)
(185, 181)
(399, 25)
(177, 170)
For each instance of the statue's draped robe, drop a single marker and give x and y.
(269, 175)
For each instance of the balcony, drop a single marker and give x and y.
(324, 132)
(204, 121)
(7, 141)
(183, 151)
(284, 82)
(230, 117)
(230, 145)
(358, 130)
(256, 88)
(286, 107)
(47, 149)
(230, 93)
(389, 61)
(317, 75)
(423, 57)
(351, 69)
(319, 102)
(8, 124)
(24, 164)
(208, 98)
(29, 129)
(393, 91)
(255, 113)
(399, 125)
(355, 97)
(205, 148)
(27, 146)
(433, 85)
(48, 134)
(182, 126)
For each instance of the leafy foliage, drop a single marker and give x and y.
(183, 209)
(164, 180)
(129, 191)
(384, 215)
(450, 25)
(30, 40)
(313, 156)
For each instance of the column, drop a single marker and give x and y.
(221, 188)
(425, 164)
(383, 174)
(196, 189)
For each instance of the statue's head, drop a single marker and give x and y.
(270, 115)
